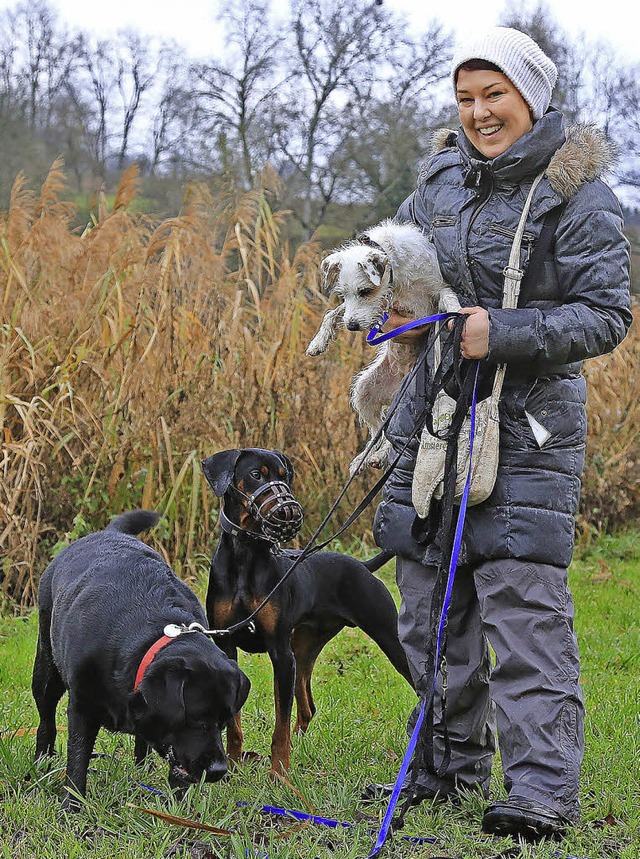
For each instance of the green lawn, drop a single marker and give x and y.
(357, 736)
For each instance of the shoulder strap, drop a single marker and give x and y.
(513, 277)
(541, 250)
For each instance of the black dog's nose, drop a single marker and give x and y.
(216, 770)
(353, 326)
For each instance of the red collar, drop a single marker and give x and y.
(148, 658)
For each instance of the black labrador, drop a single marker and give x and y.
(325, 593)
(105, 603)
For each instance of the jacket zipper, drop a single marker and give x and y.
(474, 215)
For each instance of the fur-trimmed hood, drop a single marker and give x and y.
(586, 154)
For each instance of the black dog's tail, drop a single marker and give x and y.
(379, 560)
(134, 521)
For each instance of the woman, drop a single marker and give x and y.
(511, 584)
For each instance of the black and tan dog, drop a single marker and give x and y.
(113, 631)
(325, 593)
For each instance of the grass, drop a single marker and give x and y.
(357, 736)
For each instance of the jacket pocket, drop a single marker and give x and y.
(441, 221)
(558, 411)
(500, 230)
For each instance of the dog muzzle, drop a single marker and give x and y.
(275, 510)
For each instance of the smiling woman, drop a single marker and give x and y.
(510, 588)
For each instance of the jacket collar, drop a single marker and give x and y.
(574, 156)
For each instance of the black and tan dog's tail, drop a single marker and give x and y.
(378, 560)
(134, 521)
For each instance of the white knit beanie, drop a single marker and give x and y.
(520, 58)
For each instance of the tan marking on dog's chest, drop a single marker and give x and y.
(268, 616)
(222, 614)
(226, 612)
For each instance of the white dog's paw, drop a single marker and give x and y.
(448, 302)
(376, 458)
(379, 456)
(318, 345)
(356, 464)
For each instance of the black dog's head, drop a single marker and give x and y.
(256, 487)
(189, 693)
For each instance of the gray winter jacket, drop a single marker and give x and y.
(470, 208)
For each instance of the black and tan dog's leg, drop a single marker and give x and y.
(307, 644)
(284, 678)
(235, 736)
(83, 731)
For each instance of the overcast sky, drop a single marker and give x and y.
(192, 23)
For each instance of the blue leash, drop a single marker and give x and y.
(375, 336)
(453, 563)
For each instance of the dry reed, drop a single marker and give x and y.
(134, 348)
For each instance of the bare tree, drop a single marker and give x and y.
(37, 57)
(338, 47)
(174, 118)
(137, 70)
(234, 92)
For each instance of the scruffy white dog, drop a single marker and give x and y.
(389, 265)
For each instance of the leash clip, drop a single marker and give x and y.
(174, 630)
(377, 328)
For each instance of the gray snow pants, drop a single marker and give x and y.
(524, 611)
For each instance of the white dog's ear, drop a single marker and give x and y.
(330, 268)
(374, 266)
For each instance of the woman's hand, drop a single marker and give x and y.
(395, 321)
(475, 334)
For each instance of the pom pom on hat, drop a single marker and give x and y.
(521, 59)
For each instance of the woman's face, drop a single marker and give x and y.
(492, 112)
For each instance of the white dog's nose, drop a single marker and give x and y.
(352, 325)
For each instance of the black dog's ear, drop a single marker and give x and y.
(137, 705)
(163, 692)
(219, 469)
(243, 691)
(287, 464)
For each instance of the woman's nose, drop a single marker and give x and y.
(480, 109)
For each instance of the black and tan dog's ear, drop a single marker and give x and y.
(330, 268)
(219, 469)
(287, 464)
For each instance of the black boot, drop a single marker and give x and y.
(519, 816)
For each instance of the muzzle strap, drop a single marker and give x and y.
(275, 509)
